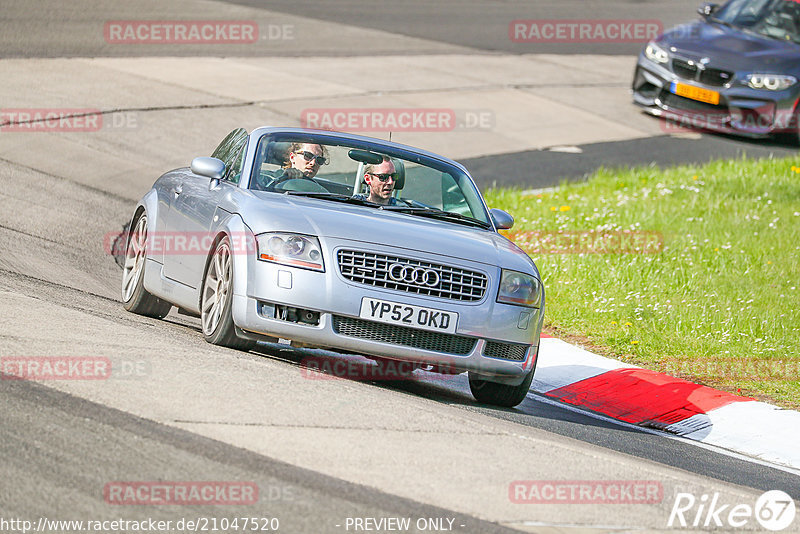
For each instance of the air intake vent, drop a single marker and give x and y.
(400, 335)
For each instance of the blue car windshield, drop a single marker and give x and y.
(778, 19)
(329, 168)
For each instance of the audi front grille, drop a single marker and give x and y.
(412, 276)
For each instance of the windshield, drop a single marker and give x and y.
(329, 169)
(778, 19)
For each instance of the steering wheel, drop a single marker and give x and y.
(298, 184)
(290, 174)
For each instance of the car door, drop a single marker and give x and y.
(194, 205)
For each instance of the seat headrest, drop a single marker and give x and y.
(277, 153)
(400, 174)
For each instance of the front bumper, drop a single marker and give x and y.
(741, 110)
(491, 338)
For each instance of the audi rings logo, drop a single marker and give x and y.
(411, 274)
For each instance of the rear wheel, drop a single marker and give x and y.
(499, 394)
(217, 299)
(135, 297)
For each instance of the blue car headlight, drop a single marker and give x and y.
(295, 250)
(520, 289)
(772, 82)
(655, 53)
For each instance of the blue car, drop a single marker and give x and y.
(735, 70)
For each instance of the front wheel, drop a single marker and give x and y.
(135, 298)
(796, 132)
(499, 394)
(217, 300)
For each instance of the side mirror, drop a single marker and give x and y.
(501, 219)
(210, 167)
(707, 9)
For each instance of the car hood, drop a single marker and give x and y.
(731, 48)
(264, 212)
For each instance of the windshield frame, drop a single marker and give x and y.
(731, 13)
(395, 150)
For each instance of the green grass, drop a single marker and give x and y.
(718, 304)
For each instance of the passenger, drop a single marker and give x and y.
(381, 181)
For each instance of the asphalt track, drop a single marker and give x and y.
(534, 169)
(353, 28)
(478, 25)
(319, 450)
(204, 413)
(482, 25)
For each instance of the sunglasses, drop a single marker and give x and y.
(383, 177)
(308, 156)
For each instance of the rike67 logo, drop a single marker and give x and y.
(774, 510)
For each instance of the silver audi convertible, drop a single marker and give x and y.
(343, 242)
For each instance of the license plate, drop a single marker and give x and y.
(695, 93)
(406, 315)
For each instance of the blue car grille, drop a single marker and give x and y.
(421, 277)
(690, 71)
(687, 104)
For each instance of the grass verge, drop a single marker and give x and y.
(692, 270)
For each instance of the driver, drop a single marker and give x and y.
(381, 180)
(305, 160)
(298, 161)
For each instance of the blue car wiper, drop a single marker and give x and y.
(723, 22)
(435, 213)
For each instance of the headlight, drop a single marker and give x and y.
(656, 53)
(520, 289)
(773, 82)
(290, 249)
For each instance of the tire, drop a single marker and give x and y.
(135, 297)
(499, 394)
(795, 135)
(790, 134)
(216, 300)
